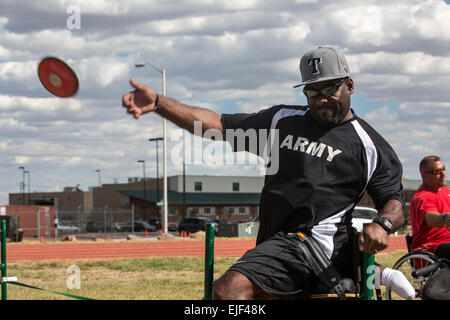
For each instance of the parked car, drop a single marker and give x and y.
(158, 224)
(139, 226)
(362, 215)
(195, 224)
(155, 222)
(255, 219)
(121, 226)
(97, 226)
(67, 229)
(172, 226)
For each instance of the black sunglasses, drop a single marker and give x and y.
(326, 92)
(437, 171)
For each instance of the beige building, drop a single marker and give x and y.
(217, 197)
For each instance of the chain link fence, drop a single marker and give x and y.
(32, 221)
(47, 222)
(98, 220)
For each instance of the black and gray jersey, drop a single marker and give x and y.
(318, 174)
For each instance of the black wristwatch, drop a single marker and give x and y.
(385, 223)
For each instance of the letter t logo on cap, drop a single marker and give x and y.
(315, 65)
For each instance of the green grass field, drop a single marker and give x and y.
(126, 279)
(116, 279)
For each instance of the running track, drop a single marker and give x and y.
(141, 249)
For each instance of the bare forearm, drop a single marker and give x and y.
(374, 237)
(393, 210)
(434, 219)
(184, 116)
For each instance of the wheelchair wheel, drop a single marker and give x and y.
(407, 264)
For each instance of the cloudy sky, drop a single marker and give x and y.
(230, 56)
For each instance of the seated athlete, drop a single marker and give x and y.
(429, 209)
(322, 158)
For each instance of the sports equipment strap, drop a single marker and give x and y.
(322, 267)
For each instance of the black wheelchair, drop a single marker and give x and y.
(418, 266)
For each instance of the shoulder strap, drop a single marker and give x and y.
(322, 267)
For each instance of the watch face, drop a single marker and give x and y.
(385, 223)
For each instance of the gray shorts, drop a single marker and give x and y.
(278, 267)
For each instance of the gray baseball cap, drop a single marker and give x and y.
(322, 64)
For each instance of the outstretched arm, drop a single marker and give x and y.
(142, 100)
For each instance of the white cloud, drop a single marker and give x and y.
(103, 70)
(46, 105)
(72, 161)
(248, 107)
(431, 20)
(21, 160)
(363, 25)
(17, 70)
(411, 63)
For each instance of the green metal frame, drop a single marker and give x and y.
(367, 277)
(3, 258)
(209, 261)
(367, 270)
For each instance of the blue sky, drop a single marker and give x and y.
(233, 56)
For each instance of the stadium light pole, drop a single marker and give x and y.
(165, 210)
(23, 184)
(28, 175)
(145, 196)
(157, 172)
(99, 177)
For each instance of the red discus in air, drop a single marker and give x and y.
(57, 77)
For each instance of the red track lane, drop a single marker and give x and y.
(142, 249)
(131, 249)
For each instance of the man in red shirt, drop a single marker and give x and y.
(429, 212)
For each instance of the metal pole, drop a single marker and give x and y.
(184, 190)
(145, 191)
(184, 177)
(23, 184)
(38, 225)
(157, 172)
(157, 175)
(99, 177)
(29, 188)
(145, 196)
(165, 159)
(28, 176)
(157, 183)
(163, 72)
(132, 218)
(209, 261)
(3, 264)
